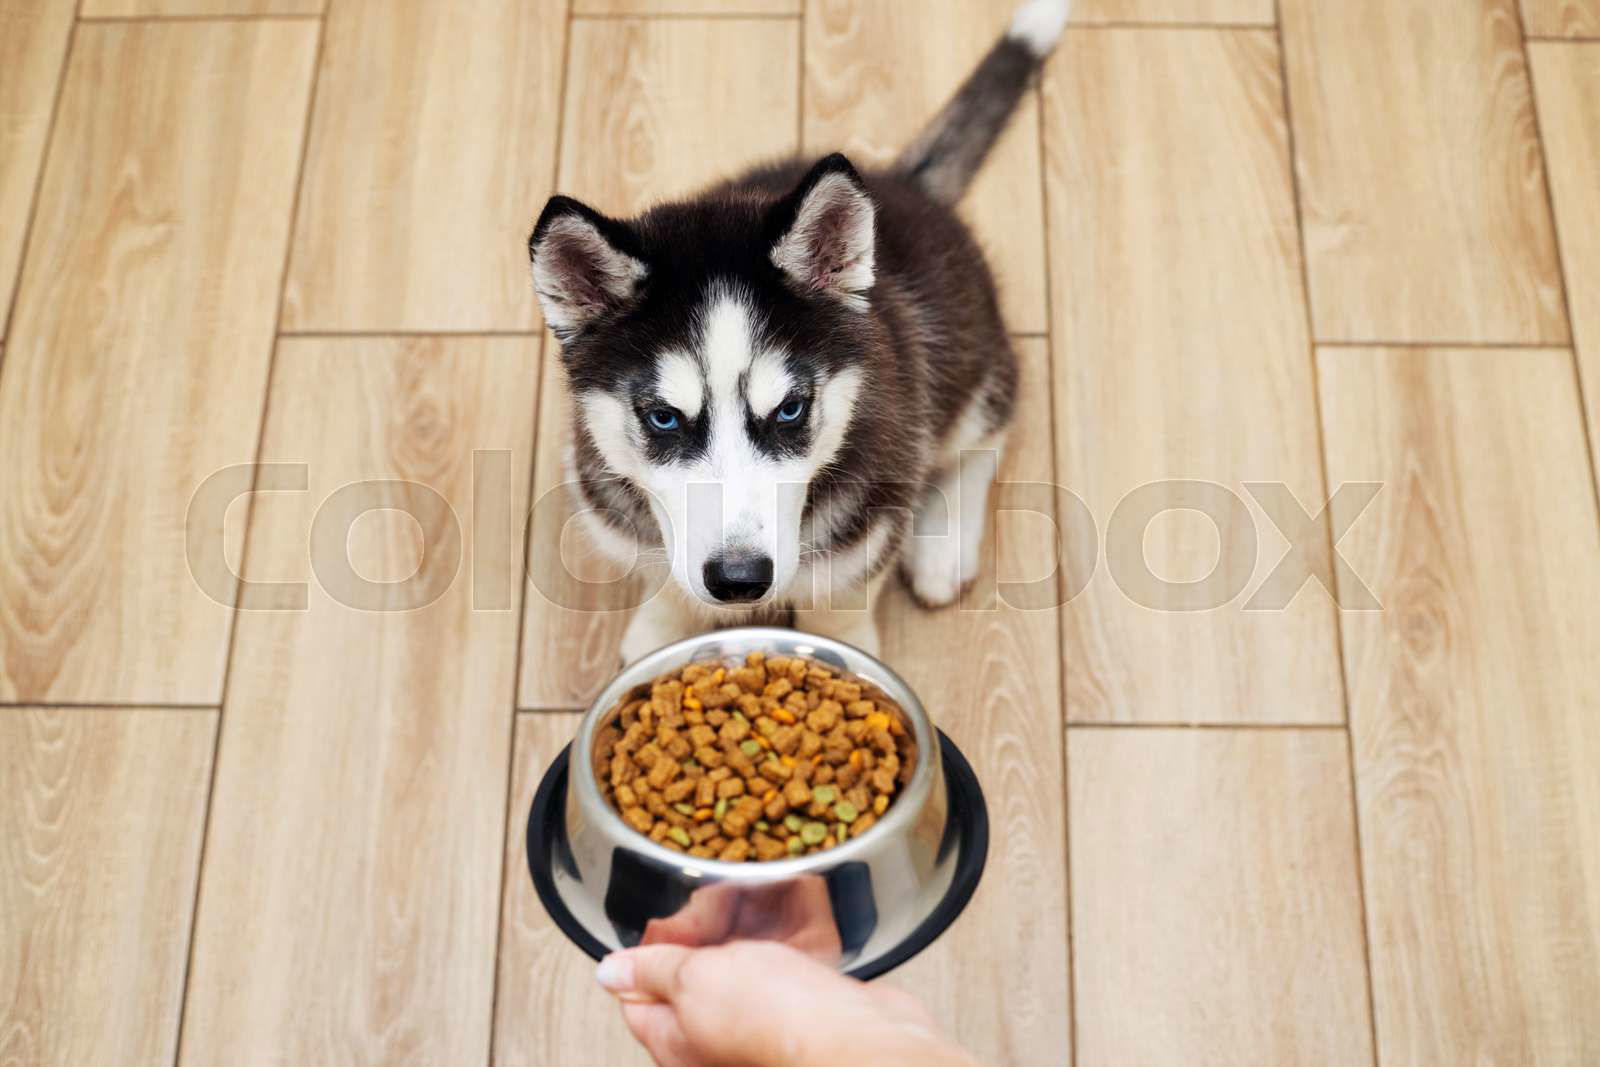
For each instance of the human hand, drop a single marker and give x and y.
(758, 1004)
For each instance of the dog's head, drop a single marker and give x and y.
(716, 349)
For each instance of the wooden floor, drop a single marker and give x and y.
(1278, 247)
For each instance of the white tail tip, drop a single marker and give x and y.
(1037, 25)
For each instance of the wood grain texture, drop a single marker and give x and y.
(429, 159)
(877, 73)
(1420, 178)
(101, 814)
(1567, 85)
(686, 7)
(1561, 18)
(548, 1009)
(989, 674)
(33, 45)
(197, 8)
(1181, 354)
(347, 906)
(1474, 702)
(137, 361)
(654, 108)
(1219, 12)
(1215, 898)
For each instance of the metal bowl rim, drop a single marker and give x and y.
(906, 808)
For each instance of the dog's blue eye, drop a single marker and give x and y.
(791, 411)
(662, 419)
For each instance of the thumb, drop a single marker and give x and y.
(650, 972)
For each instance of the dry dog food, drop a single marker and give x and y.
(774, 758)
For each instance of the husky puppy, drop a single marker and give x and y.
(774, 381)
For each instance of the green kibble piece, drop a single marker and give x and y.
(680, 835)
(750, 748)
(796, 846)
(763, 825)
(691, 765)
(792, 822)
(683, 809)
(825, 794)
(721, 809)
(767, 726)
(812, 833)
(845, 811)
(840, 832)
(739, 718)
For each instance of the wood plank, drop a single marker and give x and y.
(429, 160)
(686, 7)
(1216, 901)
(989, 674)
(137, 361)
(347, 906)
(197, 8)
(1561, 18)
(1474, 701)
(33, 45)
(1420, 175)
(1567, 83)
(1215, 12)
(683, 103)
(877, 73)
(100, 826)
(548, 1009)
(1169, 146)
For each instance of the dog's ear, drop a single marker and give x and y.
(584, 265)
(823, 235)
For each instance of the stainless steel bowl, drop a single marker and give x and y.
(863, 905)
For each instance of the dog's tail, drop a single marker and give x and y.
(946, 155)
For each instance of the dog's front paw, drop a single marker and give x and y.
(933, 571)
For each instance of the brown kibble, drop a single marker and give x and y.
(800, 727)
(664, 771)
(769, 848)
(826, 717)
(705, 792)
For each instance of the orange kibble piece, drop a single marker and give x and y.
(705, 813)
(718, 676)
(783, 715)
(880, 804)
(767, 797)
(878, 720)
(816, 759)
(788, 761)
(692, 703)
(855, 758)
(762, 741)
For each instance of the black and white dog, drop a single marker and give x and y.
(774, 381)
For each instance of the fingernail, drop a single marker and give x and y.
(615, 973)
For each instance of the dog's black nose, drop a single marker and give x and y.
(734, 578)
